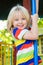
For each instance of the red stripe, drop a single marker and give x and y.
(40, 61)
(17, 33)
(26, 46)
(31, 63)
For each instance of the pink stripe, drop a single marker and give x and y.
(26, 46)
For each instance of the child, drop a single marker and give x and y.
(18, 25)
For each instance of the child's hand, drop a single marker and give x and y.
(34, 17)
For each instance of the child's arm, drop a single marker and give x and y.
(33, 33)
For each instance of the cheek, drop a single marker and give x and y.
(25, 23)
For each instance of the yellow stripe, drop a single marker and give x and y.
(24, 59)
(18, 42)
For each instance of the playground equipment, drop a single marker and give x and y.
(7, 55)
(35, 41)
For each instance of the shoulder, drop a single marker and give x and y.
(18, 33)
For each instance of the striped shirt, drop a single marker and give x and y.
(25, 48)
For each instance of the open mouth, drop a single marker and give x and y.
(20, 26)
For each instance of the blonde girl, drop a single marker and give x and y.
(18, 24)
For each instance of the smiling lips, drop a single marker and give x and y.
(20, 25)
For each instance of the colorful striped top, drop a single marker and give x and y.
(25, 48)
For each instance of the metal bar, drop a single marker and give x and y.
(35, 41)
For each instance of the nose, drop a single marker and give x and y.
(20, 21)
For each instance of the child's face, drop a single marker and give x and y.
(19, 20)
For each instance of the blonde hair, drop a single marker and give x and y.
(11, 16)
